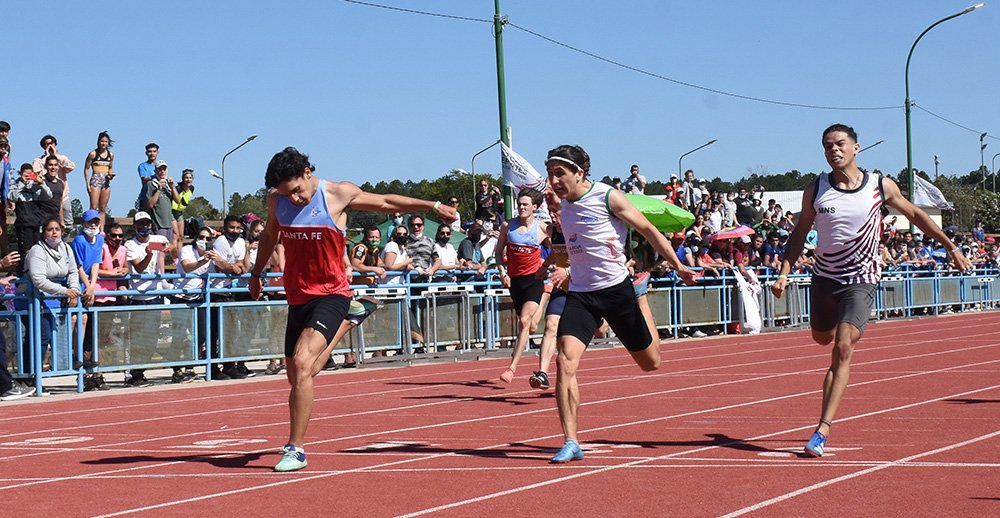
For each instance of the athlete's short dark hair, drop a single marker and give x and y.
(842, 127)
(536, 196)
(574, 153)
(286, 165)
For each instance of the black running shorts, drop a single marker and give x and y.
(524, 289)
(831, 303)
(324, 314)
(616, 304)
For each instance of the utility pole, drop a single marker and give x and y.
(498, 23)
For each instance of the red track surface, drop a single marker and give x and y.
(715, 432)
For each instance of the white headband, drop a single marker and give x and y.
(566, 160)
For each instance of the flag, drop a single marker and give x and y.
(518, 174)
(926, 194)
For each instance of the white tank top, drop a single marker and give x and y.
(848, 224)
(595, 240)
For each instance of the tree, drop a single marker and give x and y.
(77, 208)
(199, 207)
(255, 203)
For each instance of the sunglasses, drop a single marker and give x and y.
(416, 225)
(445, 235)
(116, 236)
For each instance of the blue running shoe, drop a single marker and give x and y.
(570, 451)
(292, 459)
(815, 445)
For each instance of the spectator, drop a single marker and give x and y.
(787, 223)
(100, 164)
(699, 227)
(195, 262)
(978, 232)
(28, 193)
(635, 183)
(53, 272)
(757, 250)
(366, 258)
(88, 248)
(394, 256)
(397, 220)
(420, 248)
(485, 200)
(672, 189)
(64, 167)
(616, 183)
(744, 209)
(53, 207)
(446, 253)
(6, 170)
(145, 254)
(147, 170)
(10, 389)
(160, 194)
(277, 265)
(774, 251)
(758, 209)
(470, 254)
(114, 263)
(185, 191)
(729, 211)
(232, 248)
(714, 218)
(456, 226)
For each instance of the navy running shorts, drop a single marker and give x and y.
(324, 314)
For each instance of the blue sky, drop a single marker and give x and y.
(373, 94)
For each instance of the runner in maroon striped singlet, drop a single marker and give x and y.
(310, 215)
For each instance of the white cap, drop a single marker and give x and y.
(744, 239)
(139, 216)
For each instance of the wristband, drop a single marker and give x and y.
(436, 205)
(956, 249)
(783, 276)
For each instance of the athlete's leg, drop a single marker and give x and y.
(525, 318)
(835, 383)
(548, 342)
(648, 359)
(311, 353)
(823, 337)
(567, 388)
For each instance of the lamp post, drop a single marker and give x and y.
(995, 172)
(871, 146)
(982, 160)
(225, 201)
(216, 175)
(709, 143)
(936, 164)
(906, 103)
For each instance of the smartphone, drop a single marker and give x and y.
(116, 263)
(208, 245)
(157, 245)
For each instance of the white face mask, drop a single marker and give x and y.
(487, 226)
(53, 241)
(201, 244)
(398, 221)
(91, 232)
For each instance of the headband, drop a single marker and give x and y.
(566, 160)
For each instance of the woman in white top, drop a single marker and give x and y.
(594, 219)
(394, 255)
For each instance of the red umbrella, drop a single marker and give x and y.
(733, 233)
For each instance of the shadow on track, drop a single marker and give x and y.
(225, 460)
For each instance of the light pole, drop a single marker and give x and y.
(709, 143)
(871, 146)
(995, 172)
(936, 164)
(906, 103)
(216, 175)
(225, 201)
(982, 160)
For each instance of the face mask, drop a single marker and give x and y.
(91, 232)
(201, 244)
(397, 221)
(142, 232)
(487, 226)
(232, 236)
(53, 241)
(399, 240)
(372, 243)
(253, 238)
(442, 240)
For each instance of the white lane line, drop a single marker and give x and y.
(825, 483)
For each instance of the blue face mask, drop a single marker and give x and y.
(143, 232)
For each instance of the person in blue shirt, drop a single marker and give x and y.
(147, 170)
(88, 247)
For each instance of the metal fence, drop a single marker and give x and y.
(416, 320)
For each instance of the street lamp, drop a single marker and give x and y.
(871, 146)
(906, 104)
(995, 172)
(982, 158)
(709, 143)
(225, 202)
(936, 164)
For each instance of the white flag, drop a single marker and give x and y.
(518, 174)
(926, 194)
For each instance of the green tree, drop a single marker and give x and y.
(201, 208)
(256, 203)
(77, 207)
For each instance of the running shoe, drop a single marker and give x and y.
(138, 381)
(292, 459)
(17, 391)
(507, 376)
(539, 380)
(570, 451)
(815, 445)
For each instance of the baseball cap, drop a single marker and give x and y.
(744, 239)
(91, 214)
(139, 216)
(161, 163)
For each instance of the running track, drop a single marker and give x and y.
(715, 432)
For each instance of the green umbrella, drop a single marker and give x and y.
(666, 217)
